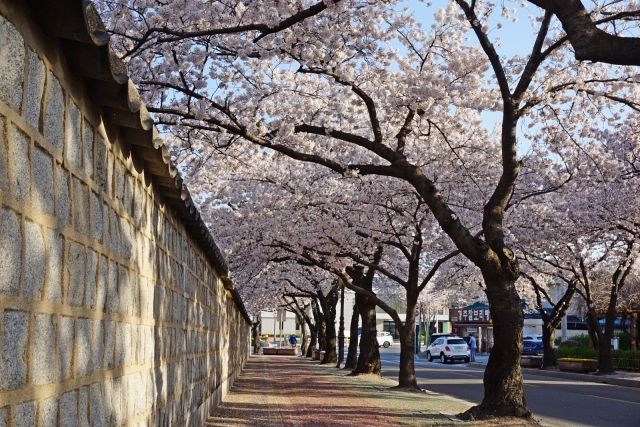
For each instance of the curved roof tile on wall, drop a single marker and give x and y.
(85, 41)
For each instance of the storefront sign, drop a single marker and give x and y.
(467, 315)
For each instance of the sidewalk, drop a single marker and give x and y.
(282, 391)
(621, 378)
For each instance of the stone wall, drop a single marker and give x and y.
(111, 313)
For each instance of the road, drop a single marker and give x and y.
(554, 402)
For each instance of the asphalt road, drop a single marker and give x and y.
(554, 402)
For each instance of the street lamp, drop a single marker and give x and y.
(341, 326)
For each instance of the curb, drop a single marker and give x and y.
(583, 377)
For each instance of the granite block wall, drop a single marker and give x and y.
(110, 313)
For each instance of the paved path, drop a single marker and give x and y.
(281, 391)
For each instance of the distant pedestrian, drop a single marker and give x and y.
(472, 348)
(293, 340)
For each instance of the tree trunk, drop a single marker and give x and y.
(255, 331)
(549, 360)
(369, 359)
(633, 331)
(407, 377)
(330, 355)
(313, 340)
(594, 327)
(503, 382)
(352, 355)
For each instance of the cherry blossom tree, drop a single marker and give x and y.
(587, 237)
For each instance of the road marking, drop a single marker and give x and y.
(531, 385)
(610, 398)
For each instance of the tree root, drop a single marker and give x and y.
(478, 413)
(407, 389)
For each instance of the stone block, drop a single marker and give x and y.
(73, 149)
(96, 217)
(76, 265)
(127, 239)
(83, 407)
(69, 409)
(87, 133)
(101, 164)
(92, 272)
(124, 291)
(49, 412)
(54, 113)
(62, 196)
(25, 414)
(98, 345)
(13, 369)
(148, 346)
(53, 289)
(35, 89)
(10, 253)
(34, 261)
(107, 408)
(65, 347)
(101, 290)
(126, 344)
(98, 418)
(21, 171)
(81, 207)
(119, 181)
(43, 200)
(113, 298)
(4, 156)
(128, 194)
(106, 237)
(12, 61)
(43, 350)
(138, 211)
(116, 403)
(110, 172)
(84, 349)
(115, 233)
(109, 344)
(133, 347)
(121, 345)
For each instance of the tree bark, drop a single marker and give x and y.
(329, 303)
(313, 340)
(369, 359)
(603, 344)
(503, 382)
(549, 359)
(407, 377)
(352, 355)
(255, 331)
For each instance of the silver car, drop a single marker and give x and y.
(448, 349)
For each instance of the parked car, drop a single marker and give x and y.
(448, 349)
(532, 348)
(385, 339)
(532, 338)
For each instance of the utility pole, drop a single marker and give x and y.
(341, 327)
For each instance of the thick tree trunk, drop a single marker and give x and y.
(407, 377)
(330, 355)
(549, 360)
(633, 331)
(594, 327)
(369, 359)
(255, 331)
(605, 364)
(352, 354)
(503, 382)
(313, 341)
